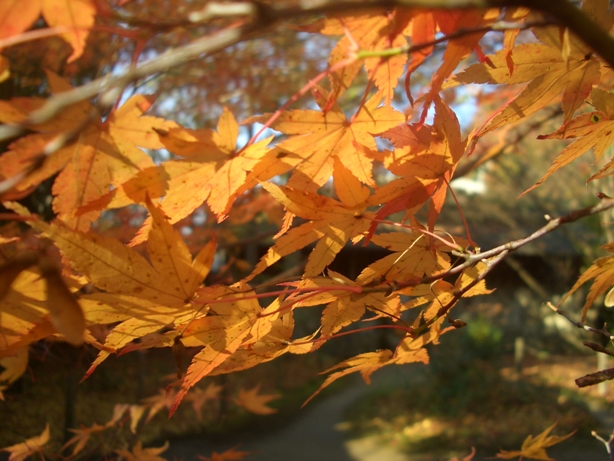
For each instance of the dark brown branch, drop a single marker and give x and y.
(595, 378)
(598, 348)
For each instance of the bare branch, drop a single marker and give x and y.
(602, 332)
(598, 348)
(263, 17)
(173, 57)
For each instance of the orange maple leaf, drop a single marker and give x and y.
(331, 222)
(366, 364)
(222, 333)
(409, 350)
(199, 397)
(343, 307)
(82, 436)
(212, 170)
(593, 130)
(602, 270)
(425, 159)
(228, 455)
(14, 365)
(77, 16)
(105, 153)
(143, 296)
(139, 453)
(535, 447)
(156, 402)
(414, 257)
(561, 63)
(254, 402)
(211, 155)
(449, 21)
(269, 338)
(372, 32)
(38, 305)
(238, 335)
(318, 137)
(31, 446)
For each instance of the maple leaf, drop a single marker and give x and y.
(104, 154)
(269, 338)
(228, 455)
(253, 401)
(31, 446)
(75, 15)
(425, 159)
(409, 350)
(64, 312)
(139, 453)
(222, 333)
(448, 22)
(199, 397)
(602, 270)
(414, 257)
(144, 297)
(157, 402)
(372, 32)
(30, 312)
(535, 447)
(318, 137)
(593, 130)
(136, 413)
(212, 170)
(14, 366)
(343, 307)
(366, 364)
(559, 64)
(81, 437)
(331, 222)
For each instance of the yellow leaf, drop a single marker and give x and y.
(31, 446)
(17, 16)
(602, 270)
(103, 155)
(318, 137)
(77, 15)
(64, 310)
(222, 333)
(332, 223)
(366, 364)
(535, 447)
(14, 366)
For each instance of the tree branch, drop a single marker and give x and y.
(263, 17)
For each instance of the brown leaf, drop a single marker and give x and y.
(64, 310)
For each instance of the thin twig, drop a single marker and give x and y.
(602, 332)
(264, 17)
